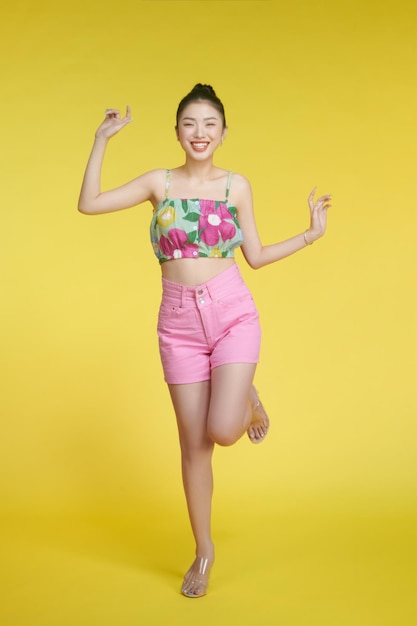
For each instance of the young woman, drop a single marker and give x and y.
(208, 327)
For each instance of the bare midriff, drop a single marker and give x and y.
(192, 272)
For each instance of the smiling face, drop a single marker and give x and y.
(200, 129)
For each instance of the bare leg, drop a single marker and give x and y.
(235, 406)
(191, 404)
(220, 412)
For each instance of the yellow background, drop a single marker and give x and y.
(317, 525)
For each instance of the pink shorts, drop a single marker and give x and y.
(202, 327)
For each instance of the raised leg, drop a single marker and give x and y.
(216, 411)
(235, 406)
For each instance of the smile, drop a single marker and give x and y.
(200, 146)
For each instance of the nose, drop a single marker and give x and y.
(199, 132)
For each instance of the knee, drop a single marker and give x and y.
(191, 453)
(222, 437)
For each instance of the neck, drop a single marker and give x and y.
(198, 169)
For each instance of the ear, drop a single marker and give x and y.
(224, 133)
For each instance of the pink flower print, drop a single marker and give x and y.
(175, 246)
(215, 222)
(190, 251)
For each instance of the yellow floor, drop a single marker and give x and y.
(299, 565)
(317, 92)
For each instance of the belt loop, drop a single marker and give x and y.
(183, 288)
(207, 287)
(212, 289)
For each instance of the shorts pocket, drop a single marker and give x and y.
(242, 301)
(175, 318)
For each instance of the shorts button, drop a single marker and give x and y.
(200, 291)
(202, 301)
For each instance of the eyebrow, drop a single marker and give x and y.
(204, 119)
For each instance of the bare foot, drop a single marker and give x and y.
(259, 425)
(196, 579)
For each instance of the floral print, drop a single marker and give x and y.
(176, 245)
(166, 217)
(215, 223)
(184, 228)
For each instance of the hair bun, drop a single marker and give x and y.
(200, 87)
(202, 92)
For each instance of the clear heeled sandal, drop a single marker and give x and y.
(196, 579)
(258, 409)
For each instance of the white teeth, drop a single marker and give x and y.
(200, 145)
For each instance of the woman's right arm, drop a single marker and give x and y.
(92, 200)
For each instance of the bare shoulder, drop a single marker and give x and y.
(241, 189)
(154, 176)
(154, 181)
(240, 183)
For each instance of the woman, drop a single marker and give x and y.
(208, 326)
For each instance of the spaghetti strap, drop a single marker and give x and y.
(167, 183)
(229, 181)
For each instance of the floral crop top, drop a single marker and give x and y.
(193, 228)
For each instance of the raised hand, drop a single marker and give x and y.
(113, 123)
(318, 215)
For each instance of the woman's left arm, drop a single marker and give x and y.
(258, 255)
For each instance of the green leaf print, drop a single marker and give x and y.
(192, 217)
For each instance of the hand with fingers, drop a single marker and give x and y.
(318, 216)
(113, 123)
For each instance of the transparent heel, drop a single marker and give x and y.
(259, 426)
(196, 579)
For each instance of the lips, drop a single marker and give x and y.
(199, 146)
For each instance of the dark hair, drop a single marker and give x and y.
(201, 92)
